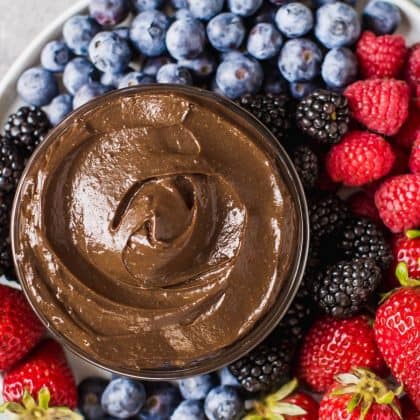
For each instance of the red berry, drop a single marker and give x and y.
(333, 346)
(379, 104)
(361, 157)
(362, 204)
(398, 202)
(412, 69)
(348, 397)
(406, 249)
(304, 401)
(409, 412)
(410, 131)
(45, 367)
(381, 56)
(20, 329)
(397, 332)
(414, 162)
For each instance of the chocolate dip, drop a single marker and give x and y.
(154, 229)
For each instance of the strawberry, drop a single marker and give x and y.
(397, 333)
(285, 404)
(336, 345)
(406, 249)
(45, 367)
(360, 395)
(408, 410)
(20, 329)
(380, 56)
(30, 409)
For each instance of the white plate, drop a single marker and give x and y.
(30, 57)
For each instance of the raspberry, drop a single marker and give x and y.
(410, 130)
(362, 204)
(415, 158)
(398, 202)
(380, 104)
(412, 69)
(361, 157)
(380, 56)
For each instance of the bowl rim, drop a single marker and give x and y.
(287, 293)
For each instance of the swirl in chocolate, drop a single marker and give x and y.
(155, 230)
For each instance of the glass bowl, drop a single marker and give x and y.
(288, 290)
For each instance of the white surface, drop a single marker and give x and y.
(17, 29)
(8, 101)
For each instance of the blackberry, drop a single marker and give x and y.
(11, 165)
(327, 215)
(6, 258)
(343, 288)
(307, 166)
(265, 367)
(297, 318)
(323, 116)
(27, 128)
(272, 110)
(5, 208)
(362, 238)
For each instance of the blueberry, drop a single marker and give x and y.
(123, 398)
(226, 378)
(109, 52)
(77, 73)
(191, 410)
(37, 86)
(59, 108)
(135, 78)
(109, 12)
(152, 65)
(88, 92)
(161, 403)
(300, 90)
(205, 9)
(113, 79)
(231, 55)
(148, 32)
(196, 387)
(337, 25)
(90, 391)
(180, 4)
(294, 20)
(183, 14)
(78, 31)
(266, 14)
(239, 76)
(143, 5)
(55, 55)
(264, 41)
(319, 3)
(224, 403)
(381, 17)
(226, 32)
(300, 60)
(173, 73)
(202, 66)
(274, 83)
(123, 32)
(339, 68)
(185, 39)
(244, 7)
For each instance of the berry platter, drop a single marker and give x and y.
(369, 272)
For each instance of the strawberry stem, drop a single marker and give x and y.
(412, 234)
